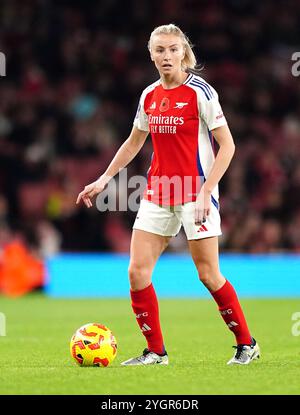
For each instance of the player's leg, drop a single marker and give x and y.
(145, 250)
(152, 229)
(205, 254)
(203, 244)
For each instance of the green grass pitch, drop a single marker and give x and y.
(35, 359)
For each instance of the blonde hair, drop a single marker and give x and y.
(189, 62)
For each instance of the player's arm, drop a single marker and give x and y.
(126, 153)
(226, 151)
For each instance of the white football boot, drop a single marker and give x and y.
(147, 358)
(245, 353)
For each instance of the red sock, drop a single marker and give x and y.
(232, 313)
(145, 306)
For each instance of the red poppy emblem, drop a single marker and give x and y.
(164, 105)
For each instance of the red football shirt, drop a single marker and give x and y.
(180, 121)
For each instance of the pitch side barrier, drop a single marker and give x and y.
(105, 275)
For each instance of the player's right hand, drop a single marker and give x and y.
(91, 190)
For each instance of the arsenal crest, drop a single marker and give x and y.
(164, 105)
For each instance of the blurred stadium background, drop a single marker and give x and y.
(74, 74)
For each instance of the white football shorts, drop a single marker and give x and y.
(167, 221)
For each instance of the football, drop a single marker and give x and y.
(93, 345)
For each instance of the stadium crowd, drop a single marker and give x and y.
(75, 71)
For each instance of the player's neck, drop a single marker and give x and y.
(172, 81)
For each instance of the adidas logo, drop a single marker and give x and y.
(232, 324)
(145, 327)
(202, 228)
(153, 106)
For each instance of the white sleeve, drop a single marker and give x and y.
(141, 118)
(210, 108)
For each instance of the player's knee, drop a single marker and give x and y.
(207, 274)
(139, 276)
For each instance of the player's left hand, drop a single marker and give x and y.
(202, 206)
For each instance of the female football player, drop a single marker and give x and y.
(184, 117)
